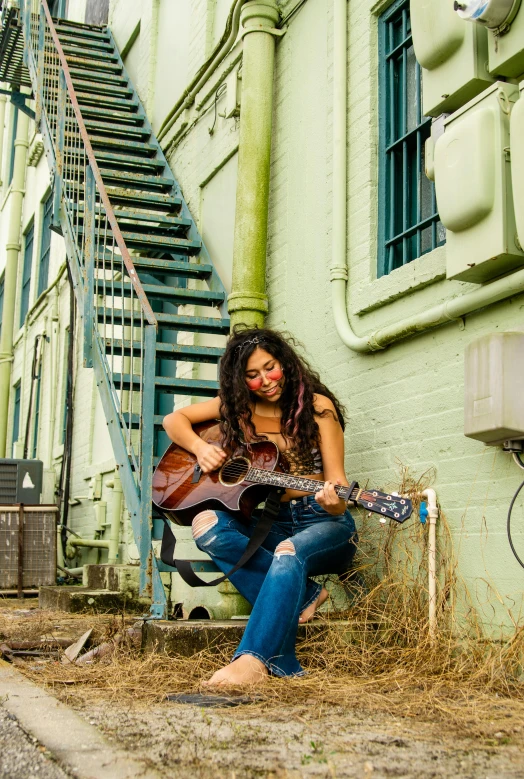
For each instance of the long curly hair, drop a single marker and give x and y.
(301, 383)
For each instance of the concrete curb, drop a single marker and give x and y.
(74, 742)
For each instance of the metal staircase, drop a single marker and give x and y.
(145, 286)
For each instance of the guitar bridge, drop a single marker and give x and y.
(197, 473)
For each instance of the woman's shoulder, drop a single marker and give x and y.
(322, 403)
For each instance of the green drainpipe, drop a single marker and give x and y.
(16, 198)
(247, 301)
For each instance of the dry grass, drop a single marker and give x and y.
(382, 660)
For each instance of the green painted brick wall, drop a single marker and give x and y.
(405, 404)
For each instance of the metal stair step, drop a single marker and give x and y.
(153, 220)
(101, 128)
(179, 296)
(198, 387)
(149, 200)
(85, 53)
(166, 242)
(172, 267)
(98, 76)
(92, 64)
(167, 351)
(108, 158)
(137, 180)
(118, 143)
(80, 28)
(112, 115)
(92, 43)
(118, 90)
(181, 322)
(98, 97)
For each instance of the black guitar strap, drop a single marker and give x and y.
(260, 533)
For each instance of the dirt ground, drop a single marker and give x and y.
(369, 735)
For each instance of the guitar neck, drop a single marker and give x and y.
(275, 479)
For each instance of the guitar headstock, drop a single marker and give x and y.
(393, 506)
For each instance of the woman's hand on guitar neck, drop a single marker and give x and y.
(209, 457)
(329, 500)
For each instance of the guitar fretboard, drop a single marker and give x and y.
(260, 476)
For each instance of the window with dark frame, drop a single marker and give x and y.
(26, 274)
(409, 224)
(45, 245)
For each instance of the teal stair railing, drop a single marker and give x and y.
(133, 249)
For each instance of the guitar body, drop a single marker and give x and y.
(181, 490)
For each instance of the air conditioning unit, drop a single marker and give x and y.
(37, 564)
(21, 481)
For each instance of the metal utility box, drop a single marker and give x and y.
(517, 162)
(506, 50)
(21, 481)
(38, 544)
(453, 55)
(494, 388)
(473, 188)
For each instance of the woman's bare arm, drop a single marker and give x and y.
(332, 451)
(179, 427)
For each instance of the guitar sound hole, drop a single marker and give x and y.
(234, 471)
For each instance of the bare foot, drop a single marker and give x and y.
(309, 612)
(246, 670)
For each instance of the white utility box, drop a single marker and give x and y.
(452, 53)
(473, 187)
(494, 388)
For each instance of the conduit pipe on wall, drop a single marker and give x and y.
(3, 101)
(218, 55)
(11, 271)
(247, 302)
(448, 311)
(431, 497)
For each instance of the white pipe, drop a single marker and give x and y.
(431, 497)
(442, 313)
(116, 513)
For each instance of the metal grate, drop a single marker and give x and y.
(409, 224)
(8, 478)
(39, 558)
(12, 68)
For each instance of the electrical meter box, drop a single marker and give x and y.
(473, 188)
(494, 388)
(506, 49)
(517, 162)
(453, 55)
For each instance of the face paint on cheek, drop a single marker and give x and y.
(275, 375)
(254, 384)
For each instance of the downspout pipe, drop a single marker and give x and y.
(218, 55)
(449, 311)
(11, 272)
(247, 302)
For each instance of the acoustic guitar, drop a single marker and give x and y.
(181, 490)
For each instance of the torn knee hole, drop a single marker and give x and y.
(285, 547)
(203, 522)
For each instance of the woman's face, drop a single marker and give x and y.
(264, 377)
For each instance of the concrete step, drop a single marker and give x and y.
(75, 599)
(185, 638)
(118, 578)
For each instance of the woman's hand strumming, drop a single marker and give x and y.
(329, 500)
(209, 457)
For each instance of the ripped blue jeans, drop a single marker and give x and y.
(305, 540)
